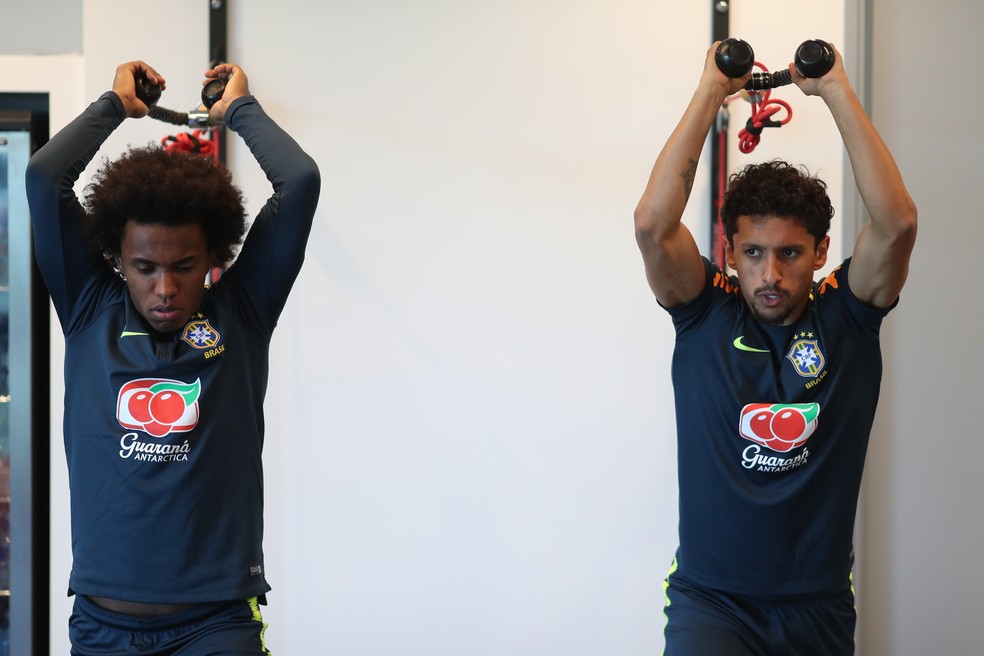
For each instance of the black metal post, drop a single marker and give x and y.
(720, 28)
(217, 41)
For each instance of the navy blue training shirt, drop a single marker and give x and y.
(772, 429)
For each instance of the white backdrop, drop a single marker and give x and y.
(470, 433)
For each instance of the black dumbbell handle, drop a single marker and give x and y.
(212, 92)
(147, 92)
(814, 58)
(734, 57)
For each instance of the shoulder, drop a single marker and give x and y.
(720, 290)
(834, 293)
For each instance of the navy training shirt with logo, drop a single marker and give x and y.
(163, 435)
(772, 430)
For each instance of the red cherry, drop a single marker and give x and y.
(779, 445)
(167, 407)
(760, 424)
(788, 424)
(139, 406)
(155, 429)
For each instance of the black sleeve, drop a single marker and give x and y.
(273, 252)
(69, 267)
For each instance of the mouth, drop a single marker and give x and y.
(771, 298)
(165, 313)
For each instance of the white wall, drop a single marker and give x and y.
(40, 27)
(923, 492)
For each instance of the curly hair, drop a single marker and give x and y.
(150, 185)
(777, 189)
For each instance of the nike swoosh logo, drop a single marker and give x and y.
(130, 333)
(742, 347)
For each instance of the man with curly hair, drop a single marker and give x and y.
(776, 378)
(165, 376)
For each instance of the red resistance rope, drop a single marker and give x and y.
(763, 108)
(199, 142)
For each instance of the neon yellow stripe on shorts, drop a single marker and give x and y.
(666, 593)
(254, 606)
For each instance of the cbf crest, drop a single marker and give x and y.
(806, 357)
(200, 335)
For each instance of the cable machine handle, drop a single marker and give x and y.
(735, 58)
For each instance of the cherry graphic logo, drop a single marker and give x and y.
(777, 426)
(158, 406)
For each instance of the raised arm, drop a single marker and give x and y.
(880, 262)
(65, 261)
(273, 252)
(673, 264)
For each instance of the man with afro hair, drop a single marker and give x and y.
(165, 375)
(776, 378)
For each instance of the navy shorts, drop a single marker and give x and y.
(702, 622)
(219, 629)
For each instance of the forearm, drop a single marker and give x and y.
(876, 174)
(662, 204)
(271, 256)
(56, 214)
(58, 165)
(282, 159)
(880, 259)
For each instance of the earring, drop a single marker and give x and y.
(117, 266)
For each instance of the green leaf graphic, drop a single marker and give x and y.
(808, 410)
(188, 392)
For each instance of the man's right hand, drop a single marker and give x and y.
(125, 86)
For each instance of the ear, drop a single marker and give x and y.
(729, 254)
(820, 257)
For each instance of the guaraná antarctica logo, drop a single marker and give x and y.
(158, 406)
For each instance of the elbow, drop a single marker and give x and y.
(907, 222)
(306, 179)
(654, 229)
(646, 225)
(39, 179)
(312, 178)
(896, 223)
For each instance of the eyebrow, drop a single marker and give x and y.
(782, 247)
(188, 259)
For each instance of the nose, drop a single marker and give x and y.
(771, 273)
(166, 285)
